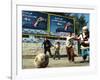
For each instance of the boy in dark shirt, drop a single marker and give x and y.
(47, 45)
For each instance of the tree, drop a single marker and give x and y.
(82, 21)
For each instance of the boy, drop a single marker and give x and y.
(47, 45)
(84, 42)
(57, 49)
(69, 47)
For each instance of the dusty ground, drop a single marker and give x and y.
(32, 49)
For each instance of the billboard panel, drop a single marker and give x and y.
(34, 20)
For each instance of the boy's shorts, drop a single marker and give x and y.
(84, 51)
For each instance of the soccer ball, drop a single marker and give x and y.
(41, 61)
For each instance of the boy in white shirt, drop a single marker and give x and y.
(69, 47)
(84, 42)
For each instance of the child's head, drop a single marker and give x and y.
(46, 38)
(70, 33)
(58, 43)
(84, 29)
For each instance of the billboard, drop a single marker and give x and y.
(61, 24)
(34, 20)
